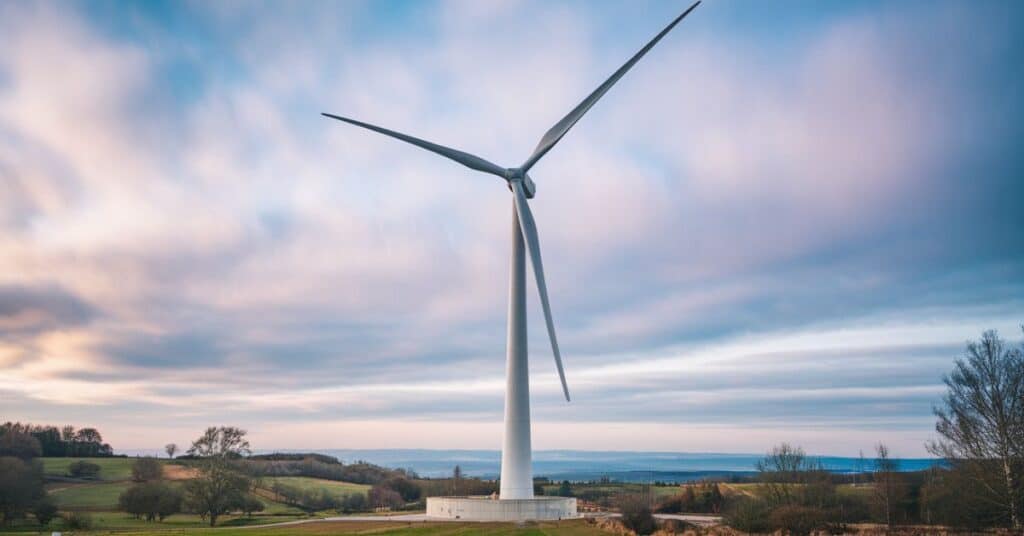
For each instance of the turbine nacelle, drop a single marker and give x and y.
(517, 174)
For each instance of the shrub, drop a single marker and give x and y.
(83, 469)
(145, 469)
(798, 520)
(748, 515)
(78, 521)
(636, 516)
(676, 526)
(44, 510)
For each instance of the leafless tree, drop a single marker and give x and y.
(981, 421)
(170, 449)
(781, 473)
(888, 483)
(219, 488)
(221, 442)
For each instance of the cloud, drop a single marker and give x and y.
(38, 309)
(727, 234)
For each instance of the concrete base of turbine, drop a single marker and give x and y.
(514, 510)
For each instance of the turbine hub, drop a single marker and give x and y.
(516, 174)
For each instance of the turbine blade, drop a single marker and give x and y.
(529, 229)
(466, 159)
(551, 137)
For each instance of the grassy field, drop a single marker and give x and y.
(110, 468)
(562, 528)
(121, 523)
(99, 496)
(308, 483)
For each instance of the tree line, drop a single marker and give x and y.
(17, 438)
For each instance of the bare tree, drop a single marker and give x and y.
(170, 449)
(888, 483)
(456, 479)
(221, 442)
(219, 488)
(860, 468)
(981, 421)
(781, 473)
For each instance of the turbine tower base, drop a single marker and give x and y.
(487, 509)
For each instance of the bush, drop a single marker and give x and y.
(145, 469)
(675, 526)
(78, 521)
(44, 510)
(636, 516)
(748, 515)
(83, 469)
(152, 500)
(798, 520)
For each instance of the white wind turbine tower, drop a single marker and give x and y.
(516, 470)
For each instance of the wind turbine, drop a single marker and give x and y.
(516, 470)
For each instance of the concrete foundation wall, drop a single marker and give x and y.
(487, 509)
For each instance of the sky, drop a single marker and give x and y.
(783, 224)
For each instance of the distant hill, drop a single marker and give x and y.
(623, 466)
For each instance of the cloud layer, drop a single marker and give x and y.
(786, 227)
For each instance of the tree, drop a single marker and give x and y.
(715, 498)
(215, 492)
(44, 510)
(861, 465)
(21, 486)
(781, 472)
(981, 421)
(565, 489)
(145, 469)
(19, 445)
(384, 497)
(456, 479)
(355, 502)
(888, 484)
(88, 435)
(170, 449)
(153, 500)
(221, 442)
(406, 488)
(220, 487)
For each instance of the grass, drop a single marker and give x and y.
(98, 496)
(110, 468)
(308, 483)
(389, 528)
(106, 522)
